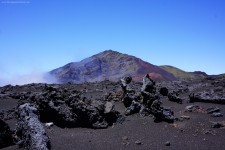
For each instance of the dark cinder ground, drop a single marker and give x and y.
(137, 132)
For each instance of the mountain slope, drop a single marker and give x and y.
(109, 65)
(180, 74)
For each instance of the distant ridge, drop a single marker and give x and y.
(109, 65)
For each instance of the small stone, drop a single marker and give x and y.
(138, 142)
(195, 135)
(167, 143)
(126, 143)
(125, 138)
(108, 107)
(185, 117)
(48, 125)
(191, 108)
(217, 125)
(212, 110)
(217, 114)
(212, 132)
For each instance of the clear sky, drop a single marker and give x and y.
(41, 35)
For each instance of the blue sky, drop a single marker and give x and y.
(41, 35)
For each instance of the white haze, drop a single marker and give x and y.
(34, 77)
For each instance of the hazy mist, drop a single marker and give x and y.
(34, 77)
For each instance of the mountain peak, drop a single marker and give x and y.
(109, 52)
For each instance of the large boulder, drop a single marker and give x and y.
(124, 83)
(148, 91)
(89, 115)
(161, 113)
(207, 97)
(174, 97)
(164, 91)
(53, 107)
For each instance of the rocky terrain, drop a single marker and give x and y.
(126, 114)
(109, 65)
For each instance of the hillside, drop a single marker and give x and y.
(180, 74)
(222, 75)
(109, 65)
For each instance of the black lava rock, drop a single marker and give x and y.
(30, 129)
(164, 91)
(174, 97)
(5, 135)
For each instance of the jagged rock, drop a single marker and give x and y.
(111, 115)
(150, 101)
(174, 97)
(124, 84)
(148, 98)
(126, 80)
(128, 93)
(61, 115)
(127, 100)
(144, 111)
(135, 107)
(161, 113)
(164, 91)
(148, 91)
(66, 108)
(88, 115)
(30, 128)
(148, 85)
(114, 117)
(5, 135)
(94, 115)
